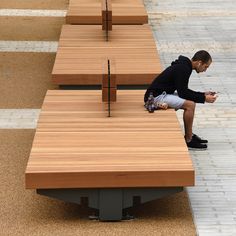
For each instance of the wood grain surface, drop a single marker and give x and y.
(77, 146)
(83, 54)
(123, 12)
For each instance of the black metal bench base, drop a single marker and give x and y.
(110, 202)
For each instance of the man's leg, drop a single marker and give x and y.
(176, 102)
(188, 116)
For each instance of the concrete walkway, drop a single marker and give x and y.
(183, 27)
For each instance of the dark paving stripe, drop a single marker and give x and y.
(30, 28)
(24, 79)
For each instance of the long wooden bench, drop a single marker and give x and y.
(89, 12)
(83, 53)
(112, 154)
(80, 152)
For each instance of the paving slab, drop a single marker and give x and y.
(183, 27)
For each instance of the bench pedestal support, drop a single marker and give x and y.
(110, 201)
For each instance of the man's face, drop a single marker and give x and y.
(202, 67)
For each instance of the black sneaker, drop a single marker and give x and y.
(198, 139)
(195, 144)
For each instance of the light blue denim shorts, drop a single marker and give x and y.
(173, 100)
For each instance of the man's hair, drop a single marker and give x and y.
(203, 56)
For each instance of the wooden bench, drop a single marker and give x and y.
(83, 53)
(80, 152)
(89, 12)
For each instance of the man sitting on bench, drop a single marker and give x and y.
(174, 79)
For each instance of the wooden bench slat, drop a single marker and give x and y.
(89, 12)
(83, 55)
(78, 146)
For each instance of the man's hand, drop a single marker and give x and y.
(210, 98)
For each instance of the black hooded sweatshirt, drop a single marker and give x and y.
(175, 77)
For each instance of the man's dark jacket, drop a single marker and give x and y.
(175, 77)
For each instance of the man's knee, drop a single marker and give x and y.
(189, 105)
